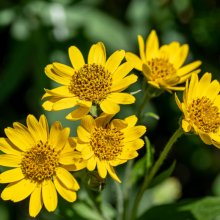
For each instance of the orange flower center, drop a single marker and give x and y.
(107, 143)
(91, 82)
(204, 115)
(40, 162)
(160, 68)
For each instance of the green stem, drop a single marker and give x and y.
(154, 170)
(96, 204)
(119, 200)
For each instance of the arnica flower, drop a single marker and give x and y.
(98, 82)
(162, 66)
(41, 161)
(107, 145)
(201, 108)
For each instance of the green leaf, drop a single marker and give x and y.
(93, 110)
(138, 170)
(203, 209)
(149, 161)
(151, 114)
(161, 177)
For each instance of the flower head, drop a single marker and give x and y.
(42, 161)
(98, 82)
(162, 66)
(201, 108)
(106, 145)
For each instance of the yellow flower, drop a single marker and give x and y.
(98, 82)
(162, 66)
(41, 160)
(201, 108)
(108, 145)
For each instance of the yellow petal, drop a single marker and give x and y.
(117, 162)
(81, 144)
(91, 164)
(66, 193)
(62, 139)
(121, 98)
(124, 83)
(78, 113)
(60, 92)
(69, 157)
(52, 74)
(67, 70)
(122, 71)
(128, 154)
(66, 178)
(186, 125)
(83, 134)
(36, 201)
(25, 188)
(114, 61)
(173, 48)
(84, 103)
(88, 123)
(65, 103)
(131, 120)
(216, 103)
(203, 84)
(119, 124)
(147, 71)
(178, 102)
(35, 129)
(181, 56)
(112, 173)
(171, 81)
(70, 145)
(135, 144)
(8, 147)
(48, 105)
(205, 138)
(175, 88)
(131, 134)
(87, 153)
(101, 166)
(103, 119)
(213, 90)
(193, 87)
(109, 107)
(81, 164)
(132, 57)
(185, 112)
(11, 175)
(164, 51)
(100, 54)
(9, 190)
(188, 68)
(17, 139)
(44, 124)
(49, 195)
(10, 160)
(152, 45)
(141, 48)
(76, 57)
(91, 54)
(55, 131)
(154, 84)
(187, 76)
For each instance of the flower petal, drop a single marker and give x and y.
(193, 87)
(78, 113)
(119, 124)
(131, 120)
(112, 173)
(205, 138)
(122, 71)
(124, 83)
(83, 134)
(103, 119)
(141, 48)
(188, 68)
(49, 195)
(178, 102)
(81, 164)
(155, 84)
(100, 54)
(109, 107)
(136, 132)
(88, 123)
(114, 61)
(55, 131)
(11, 175)
(76, 57)
(132, 57)
(128, 155)
(67, 194)
(62, 139)
(65, 103)
(9, 190)
(70, 145)
(69, 157)
(152, 45)
(10, 160)
(181, 56)
(101, 166)
(135, 144)
(8, 147)
(188, 75)
(173, 48)
(48, 105)
(147, 71)
(117, 162)
(121, 98)
(87, 153)
(213, 90)
(203, 84)
(25, 188)
(36, 201)
(186, 125)
(91, 164)
(59, 92)
(92, 54)
(44, 124)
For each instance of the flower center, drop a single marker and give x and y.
(91, 82)
(204, 115)
(160, 68)
(107, 143)
(40, 162)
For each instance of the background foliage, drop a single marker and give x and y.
(37, 33)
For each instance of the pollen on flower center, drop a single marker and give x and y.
(91, 82)
(106, 143)
(204, 115)
(160, 68)
(39, 162)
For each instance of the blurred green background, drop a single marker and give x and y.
(37, 33)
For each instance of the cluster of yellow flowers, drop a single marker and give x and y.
(42, 159)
